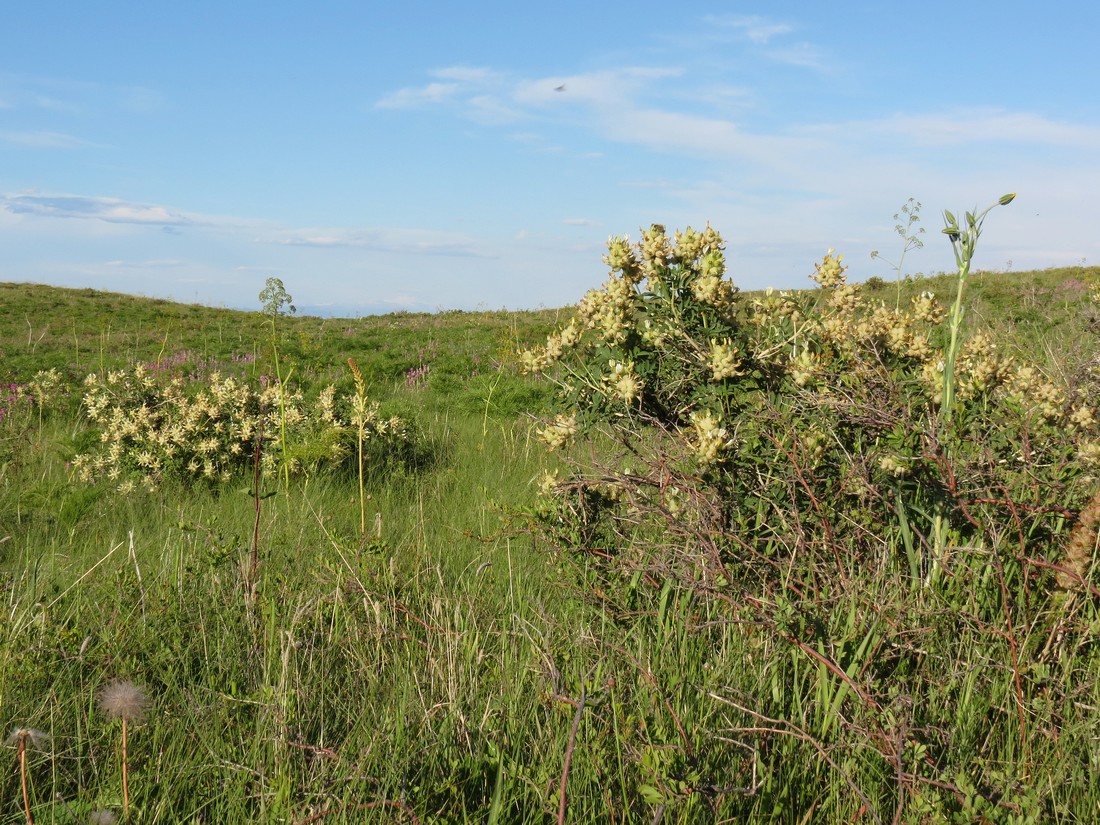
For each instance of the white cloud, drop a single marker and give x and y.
(804, 55)
(75, 97)
(984, 126)
(405, 241)
(464, 74)
(452, 82)
(757, 29)
(608, 88)
(111, 210)
(491, 110)
(45, 140)
(168, 263)
(412, 98)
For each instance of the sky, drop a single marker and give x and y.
(423, 156)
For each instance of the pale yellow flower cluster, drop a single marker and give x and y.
(44, 387)
(855, 322)
(724, 360)
(894, 465)
(326, 403)
(846, 297)
(655, 334)
(895, 331)
(979, 367)
(711, 439)
(932, 376)
(655, 249)
(548, 483)
(535, 361)
(925, 308)
(623, 381)
(814, 444)
(558, 432)
(1030, 388)
(804, 368)
(147, 429)
(692, 245)
(609, 310)
(1089, 454)
(1083, 417)
(711, 287)
(830, 272)
(540, 359)
(774, 306)
(620, 258)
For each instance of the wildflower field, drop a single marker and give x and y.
(676, 554)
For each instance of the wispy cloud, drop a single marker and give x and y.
(764, 39)
(753, 27)
(405, 241)
(449, 83)
(111, 210)
(75, 97)
(607, 88)
(45, 140)
(425, 95)
(636, 105)
(465, 74)
(982, 126)
(803, 55)
(166, 263)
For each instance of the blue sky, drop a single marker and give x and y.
(430, 155)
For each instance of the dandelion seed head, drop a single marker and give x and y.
(102, 818)
(32, 736)
(124, 700)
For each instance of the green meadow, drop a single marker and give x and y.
(370, 616)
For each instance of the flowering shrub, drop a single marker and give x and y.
(150, 428)
(887, 537)
(800, 415)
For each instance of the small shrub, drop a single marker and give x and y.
(151, 428)
(792, 462)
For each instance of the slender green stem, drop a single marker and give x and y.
(964, 241)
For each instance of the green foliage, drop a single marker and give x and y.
(765, 455)
(150, 428)
(909, 231)
(440, 665)
(276, 301)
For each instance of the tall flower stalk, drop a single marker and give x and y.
(126, 701)
(964, 240)
(277, 303)
(910, 234)
(963, 243)
(21, 738)
(360, 418)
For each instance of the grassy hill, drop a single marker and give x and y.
(447, 663)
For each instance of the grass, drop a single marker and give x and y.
(450, 665)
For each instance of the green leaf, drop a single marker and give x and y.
(651, 795)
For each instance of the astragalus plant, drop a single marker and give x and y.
(150, 427)
(785, 460)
